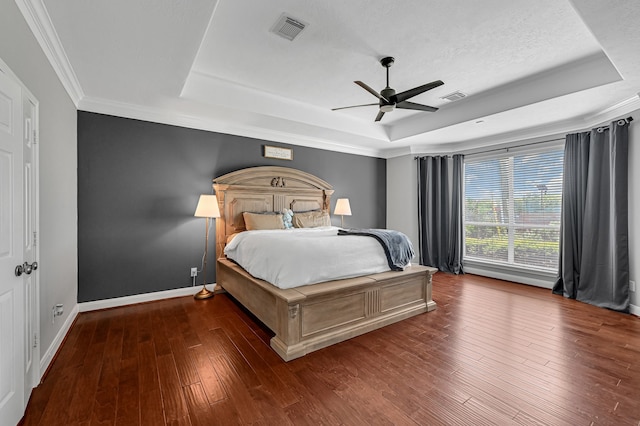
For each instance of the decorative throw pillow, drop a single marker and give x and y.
(311, 219)
(287, 218)
(257, 221)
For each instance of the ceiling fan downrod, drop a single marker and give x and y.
(387, 62)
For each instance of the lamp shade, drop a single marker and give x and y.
(343, 207)
(207, 206)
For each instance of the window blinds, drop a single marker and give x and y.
(512, 208)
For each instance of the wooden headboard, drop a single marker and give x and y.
(265, 189)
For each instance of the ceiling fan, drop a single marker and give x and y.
(389, 100)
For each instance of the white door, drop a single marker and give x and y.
(12, 402)
(31, 309)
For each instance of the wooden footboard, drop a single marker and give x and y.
(312, 317)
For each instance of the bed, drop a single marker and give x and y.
(310, 317)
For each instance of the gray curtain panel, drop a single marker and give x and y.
(440, 212)
(594, 254)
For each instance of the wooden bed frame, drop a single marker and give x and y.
(309, 317)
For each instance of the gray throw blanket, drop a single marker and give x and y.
(396, 245)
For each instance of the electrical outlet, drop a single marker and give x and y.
(194, 272)
(56, 311)
(632, 286)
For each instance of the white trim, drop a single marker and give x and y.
(550, 132)
(522, 136)
(516, 149)
(213, 124)
(507, 139)
(615, 111)
(544, 133)
(501, 273)
(139, 298)
(4, 68)
(57, 341)
(37, 373)
(513, 276)
(38, 19)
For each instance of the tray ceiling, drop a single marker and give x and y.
(526, 68)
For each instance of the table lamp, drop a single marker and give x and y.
(343, 209)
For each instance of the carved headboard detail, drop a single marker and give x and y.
(265, 189)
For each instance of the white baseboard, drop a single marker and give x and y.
(520, 278)
(139, 298)
(57, 341)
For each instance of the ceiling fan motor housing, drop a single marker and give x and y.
(389, 94)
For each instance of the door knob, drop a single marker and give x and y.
(26, 268)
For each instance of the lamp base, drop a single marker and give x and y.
(203, 294)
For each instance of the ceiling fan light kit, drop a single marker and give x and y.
(388, 100)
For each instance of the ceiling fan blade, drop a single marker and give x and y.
(403, 96)
(370, 90)
(353, 106)
(413, 105)
(379, 116)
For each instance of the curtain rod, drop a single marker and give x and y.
(628, 120)
(504, 148)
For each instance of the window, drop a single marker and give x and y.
(512, 208)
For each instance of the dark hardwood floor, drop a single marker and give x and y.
(492, 353)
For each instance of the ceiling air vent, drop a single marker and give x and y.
(288, 27)
(455, 96)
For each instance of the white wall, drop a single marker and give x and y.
(58, 271)
(402, 212)
(402, 197)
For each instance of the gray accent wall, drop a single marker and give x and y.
(138, 186)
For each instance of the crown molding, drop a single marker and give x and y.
(529, 135)
(38, 19)
(532, 134)
(171, 117)
(615, 111)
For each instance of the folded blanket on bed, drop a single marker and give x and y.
(397, 246)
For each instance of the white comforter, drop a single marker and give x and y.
(295, 257)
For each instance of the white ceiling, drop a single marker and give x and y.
(528, 68)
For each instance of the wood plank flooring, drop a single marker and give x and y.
(492, 353)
